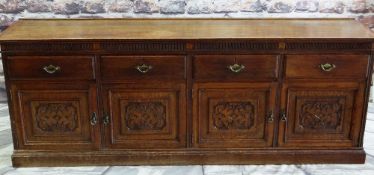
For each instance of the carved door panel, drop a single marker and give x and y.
(145, 116)
(321, 114)
(51, 116)
(233, 115)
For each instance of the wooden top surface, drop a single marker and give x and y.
(98, 29)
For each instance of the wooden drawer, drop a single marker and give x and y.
(51, 67)
(235, 67)
(143, 67)
(327, 66)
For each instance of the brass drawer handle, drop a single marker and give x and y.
(236, 68)
(51, 69)
(327, 67)
(143, 68)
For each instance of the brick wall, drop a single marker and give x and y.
(11, 10)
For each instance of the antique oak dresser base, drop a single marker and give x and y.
(191, 157)
(178, 92)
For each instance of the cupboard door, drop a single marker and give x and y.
(51, 116)
(229, 115)
(145, 116)
(321, 114)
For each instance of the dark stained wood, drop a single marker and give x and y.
(217, 67)
(53, 116)
(160, 67)
(189, 108)
(321, 114)
(223, 157)
(229, 115)
(145, 116)
(309, 66)
(32, 67)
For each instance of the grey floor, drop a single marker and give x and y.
(6, 149)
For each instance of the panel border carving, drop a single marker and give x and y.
(82, 138)
(234, 46)
(294, 94)
(49, 47)
(143, 46)
(170, 134)
(311, 45)
(208, 95)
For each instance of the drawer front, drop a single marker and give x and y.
(235, 67)
(143, 67)
(51, 67)
(327, 66)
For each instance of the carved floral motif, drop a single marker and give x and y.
(145, 115)
(320, 115)
(233, 115)
(56, 117)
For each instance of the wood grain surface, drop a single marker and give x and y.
(75, 29)
(168, 91)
